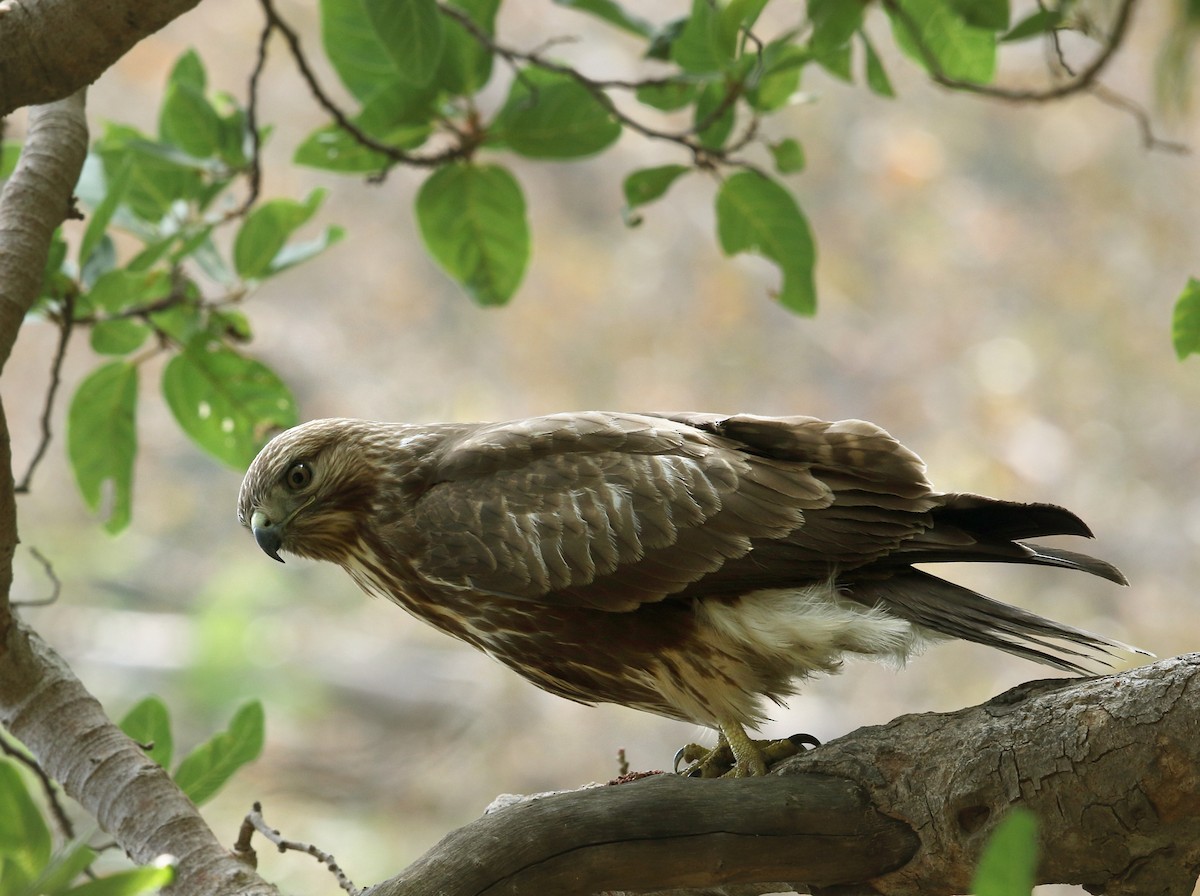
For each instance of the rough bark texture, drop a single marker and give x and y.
(51, 48)
(1111, 767)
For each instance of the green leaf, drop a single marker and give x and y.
(118, 337)
(353, 46)
(189, 70)
(667, 97)
(206, 769)
(114, 192)
(398, 115)
(466, 63)
(1185, 324)
(649, 184)
(133, 882)
(265, 231)
(158, 180)
(188, 120)
(55, 878)
(780, 80)
(1009, 862)
(757, 215)
(877, 76)
(149, 723)
(833, 23)
(102, 439)
(704, 46)
(553, 116)
(1035, 24)
(227, 403)
(472, 218)
(788, 155)
(934, 35)
(24, 837)
(411, 33)
(120, 289)
(711, 98)
(10, 151)
(992, 15)
(613, 13)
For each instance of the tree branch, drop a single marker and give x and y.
(49, 49)
(1110, 766)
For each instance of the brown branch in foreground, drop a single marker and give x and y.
(1110, 766)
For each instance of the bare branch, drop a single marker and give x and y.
(1110, 766)
(66, 323)
(255, 822)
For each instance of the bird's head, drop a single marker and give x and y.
(311, 490)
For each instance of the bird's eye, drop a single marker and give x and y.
(299, 475)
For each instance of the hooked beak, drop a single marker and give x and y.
(266, 534)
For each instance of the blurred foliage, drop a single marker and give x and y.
(29, 863)
(1009, 861)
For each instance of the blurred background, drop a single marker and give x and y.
(995, 287)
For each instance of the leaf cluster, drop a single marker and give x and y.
(29, 864)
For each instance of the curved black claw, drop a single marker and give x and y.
(804, 740)
(681, 756)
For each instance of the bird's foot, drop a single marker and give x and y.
(723, 761)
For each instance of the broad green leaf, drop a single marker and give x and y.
(466, 63)
(227, 403)
(1185, 324)
(353, 46)
(266, 230)
(159, 179)
(1008, 865)
(120, 289)
(739, 15)
(234, 138)
(780, 79)
(649, 184)
(189, 70)
(102, 440)
(296, 252)
(149, 723)
(757, 215)
(411, 33)
(613, 13)
(98, 220)
(993, 15)
(135, 881)
(788, 155)
(24, 837)
(188, 120)
(472, 218)
(704, 46)
(1043, 21)
(932, 28)
(206, 769)
(877, 76)
(119, 336)
(667, 97)
(833, 22)
(553, 116)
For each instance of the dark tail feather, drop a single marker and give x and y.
(959, 612)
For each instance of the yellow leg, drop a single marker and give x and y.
(735, 755)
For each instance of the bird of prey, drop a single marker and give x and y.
(688, 565)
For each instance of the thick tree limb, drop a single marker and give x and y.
(1111, 767)
(49, 49)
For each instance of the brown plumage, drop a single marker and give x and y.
(687, 564)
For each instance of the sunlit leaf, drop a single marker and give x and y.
(354, 48)
(265, 231)
(466, 63)
(788, 155)
(757, 215)
(649, 184)
(472, 218)
(227, 403)
(933, 34)
(24, 837)
(149, 723)
(205, 770)
(102, 440)
(133, 882)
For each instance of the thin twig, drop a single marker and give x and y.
(255, 822)
(65, 324)
(255, 173)
(48, 786)
(55, 583)
(1141, 117)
